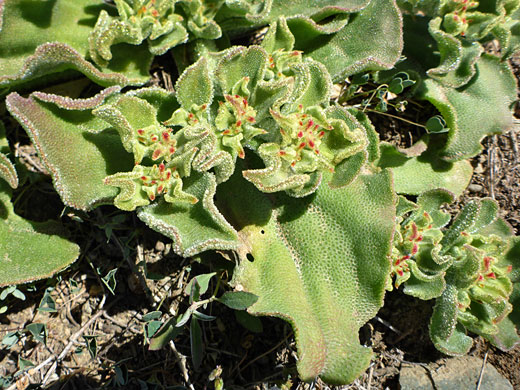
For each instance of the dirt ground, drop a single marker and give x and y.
(151, 277)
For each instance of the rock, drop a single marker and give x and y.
(459, 373)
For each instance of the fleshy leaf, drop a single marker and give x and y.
(351, 50)
(8, 171)
(29, 250)
(458, 58)
(194, 86)
(78, 149)
(480, 108)
(192, 227)
(38, 39)
(306, 259)
(415, 175)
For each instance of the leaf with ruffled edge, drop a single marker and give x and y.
(306, 260)
(468, 267)
(351, 50)
(78, 149)
(194, 228)
(155, 21)
(458, 58)
(415, 174)
(38, 39)
(7, 169)
(29, 250)
(313, 141)
(480, 108)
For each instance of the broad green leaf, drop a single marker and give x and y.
(29, 250)
(238, 300)
(415, 175)
(166, 333)
(48, 37)
(307, 261)
(458, 58)
(482, 107)
(78, 149)
(351, 50)
(193, 227)
(195, 86)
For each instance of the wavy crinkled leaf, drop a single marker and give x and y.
(416, 174)
(458, 58)
(29, 250)
(78, 149)
(482, 107)
(193, 228)
(307, 261)
(242, 14)
(47, 37)
(351, 50)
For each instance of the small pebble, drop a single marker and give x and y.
(159, 246)
(475, 188)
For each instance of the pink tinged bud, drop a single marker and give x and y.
(161, 167)
(487, 262)
(302, 145)
(226, 132)
(300, 134)
(144, 178)
(171, 150)
(300, 107)
(464, 234)
(430, 226)
(156, 154)
(295, 53)
(321, 134)
(282, 153)
(160, 189)
(282, 131)
(244, 101)
(236, 96)
(272, 65)
(300, 123)
(311, 122)
(400, 272)
(415, 249)
(316, 127)
(509, 268)
(239, 123)
(414, 232)
(140, 131)
(419, 239)
(464, 19)
(311, 144)
(293, 163)
(491, 275)
(152, 197)
(204, 106)
(168, 175)
(166, 135)
(153, 182)
(317, 151)
(241, 154)
(154, 138)
(251, 119)
(155, 13)
(271, 59)
(480, 278)
(190, 115)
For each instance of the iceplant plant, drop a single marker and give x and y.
(249, 156)
(470, 268)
